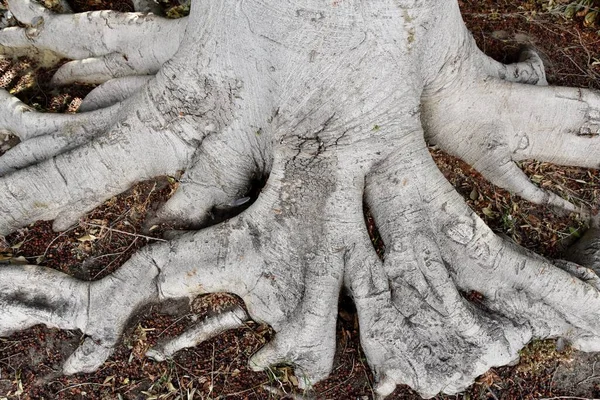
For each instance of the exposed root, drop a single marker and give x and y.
(128, 43)
(585, 274)
(551, 124)
(440, 247)
(121, 156)
(416, 329)
(257, 107)
(44, 147)
(516, 283)
(98, 70)
(509, 122)
(26, 123)
(563, 124)
(61, 303)
(87, 358)
(29, 296)
(278, 284)
(32, 295)
(302, 313)
(529, 70)
(303, 344)
(106, 166)
(200, 332)
(410, 338)
(28, 12)
(113, 91)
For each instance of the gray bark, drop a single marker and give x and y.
(335, 103)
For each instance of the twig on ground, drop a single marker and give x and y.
(592, 376)
(124, 232)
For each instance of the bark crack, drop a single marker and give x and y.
(312, 138)
(63, 177)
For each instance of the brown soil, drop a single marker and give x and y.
(102, 241)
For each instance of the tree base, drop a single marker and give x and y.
(343, 124)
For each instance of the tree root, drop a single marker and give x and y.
(23, 305)
(416, 329)
(112, 162)
(110, 44)
(113, 91)
(219, 176)
(44, 147)
(519, 122)
(442, 247)
(529, 70)
(37, 295)
(54, 190)
(302, 312)
(341, 128)
(97, 70)
(200, 332)
(283, 298)
(26, 123)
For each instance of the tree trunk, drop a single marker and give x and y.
(334, 102)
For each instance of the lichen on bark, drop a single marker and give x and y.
(335, 102)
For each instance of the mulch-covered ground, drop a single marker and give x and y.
(217, 369)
